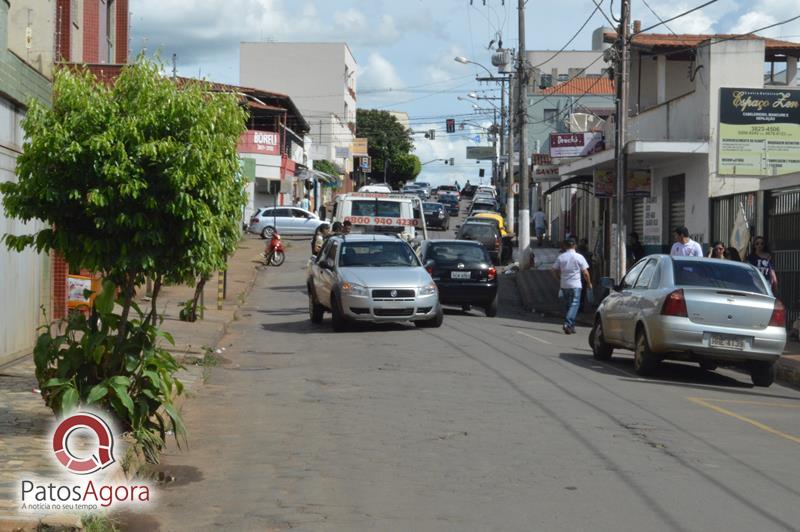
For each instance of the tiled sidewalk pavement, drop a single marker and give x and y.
(24, 419)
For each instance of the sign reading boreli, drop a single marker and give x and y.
(759, 132)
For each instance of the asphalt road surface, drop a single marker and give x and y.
(483, 424)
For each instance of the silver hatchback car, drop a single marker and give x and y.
(375, 278)
(709, 311)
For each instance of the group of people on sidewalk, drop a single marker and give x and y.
(324, 231)
(572, 268)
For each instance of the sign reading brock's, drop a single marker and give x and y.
(86, 493)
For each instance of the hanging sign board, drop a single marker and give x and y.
(575, 144)
(759, 132)
(638, 184)
(359, 148)
(603, 183)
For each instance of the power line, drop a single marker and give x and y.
(658, 17)
(664, 22)
(591, 16)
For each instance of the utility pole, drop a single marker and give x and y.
(174, 66)
(622, 121)
(502, 123)
(522, 110)
(510, 154)
(494, 148)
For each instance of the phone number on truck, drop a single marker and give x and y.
(378, 220)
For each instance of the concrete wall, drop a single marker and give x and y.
(40, 17)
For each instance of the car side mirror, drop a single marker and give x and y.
(609, 283)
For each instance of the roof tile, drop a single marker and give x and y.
(583, 85)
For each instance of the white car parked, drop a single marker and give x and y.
(287, 220)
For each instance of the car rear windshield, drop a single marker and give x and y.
(454, 252)
(478, 231)
(390, 209)
(718, 274)
(377, 254)
(431, 207)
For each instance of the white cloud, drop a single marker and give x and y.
(763, 13)
(380, 75)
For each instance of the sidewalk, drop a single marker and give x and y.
(24, 419)
(539, 292)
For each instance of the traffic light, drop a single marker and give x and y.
(432, 134)
(451, 125)
(481, 172)
(452, 161)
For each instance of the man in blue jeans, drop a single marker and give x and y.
(569, 267)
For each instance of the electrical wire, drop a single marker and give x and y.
(658, 17)
(591, 16)
(664, 22)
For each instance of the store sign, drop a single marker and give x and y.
(652, 223)
(343, 152)
(575, 144)
(638, 184)
(263, 142)
(759, 132)
(481, 152)
(543, 172)
(359, 148)
(603, 183)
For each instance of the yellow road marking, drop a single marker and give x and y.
(534, 337)
(757, 424)
(744, 402)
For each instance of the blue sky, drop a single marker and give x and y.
(405, 48)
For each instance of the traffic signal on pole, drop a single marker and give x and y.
(432, 134)
(481, 172)
(452, 161)
(451, 125)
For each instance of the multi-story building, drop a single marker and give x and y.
(320, 78)
(25, 70)
(551, 67)
(91, 31)
(710, 135)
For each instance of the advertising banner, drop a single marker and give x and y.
(263, 142)
(652, 223)
(359, 147)
(759, 132)
(575, 144)
(603, 183)
(342, 152)
(638, 184)
(544, 172)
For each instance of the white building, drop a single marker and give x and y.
(701, 167)
(319, 77)
(551, 67)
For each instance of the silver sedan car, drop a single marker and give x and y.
(708, 311)
(375, 278)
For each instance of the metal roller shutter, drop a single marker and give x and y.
(677, 201)
(637, 225)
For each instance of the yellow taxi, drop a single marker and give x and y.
(495, 216)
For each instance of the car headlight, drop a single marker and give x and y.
(428, 290)
(355, 289)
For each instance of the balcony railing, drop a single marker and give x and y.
(682, 118)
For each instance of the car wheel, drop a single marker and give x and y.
(708, 365)
(315, 310)
(762, 373)
(644, 360)
(600, 349)
(277, 258)
(266, 233)
(491, 308)
(434, 322)
(338, 318)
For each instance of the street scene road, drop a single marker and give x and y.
(484, 424)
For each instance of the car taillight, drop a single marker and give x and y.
(430, 269)
(492, 273)
(778, 318)
(496, 243)
(675, 304)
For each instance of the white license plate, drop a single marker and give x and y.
(460, 275)
(727, 341)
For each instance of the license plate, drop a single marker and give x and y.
(727, 341)
(460, 275)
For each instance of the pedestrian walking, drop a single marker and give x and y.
(569, 268)
(731, 253)
(318, 240)
(761, 258)
(539, 225)
(636, 249)
(717, 250)
(304, 204)
(336, 229)
(685, 246)
(347, 227)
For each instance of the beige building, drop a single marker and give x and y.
(319, 77)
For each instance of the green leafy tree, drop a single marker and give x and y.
(388, 141)
(138, 178)
(326, 167)
(405, 167)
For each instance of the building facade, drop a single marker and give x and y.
(92, 31)
(24, 277)
(320, 78)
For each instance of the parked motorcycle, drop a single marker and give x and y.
(274, 254)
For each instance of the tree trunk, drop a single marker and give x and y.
(197, 291)
(153, 298)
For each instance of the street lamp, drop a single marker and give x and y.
(464, 61)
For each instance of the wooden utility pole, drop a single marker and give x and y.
(510, 153)
(522, 108)
(622, 75)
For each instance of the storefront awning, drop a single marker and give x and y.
(577, 180)
(309, 174)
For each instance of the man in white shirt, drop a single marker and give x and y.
(685, 246)
(569, 267)
(539, 224)
(304, 202)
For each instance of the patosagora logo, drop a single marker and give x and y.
(104, 455)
